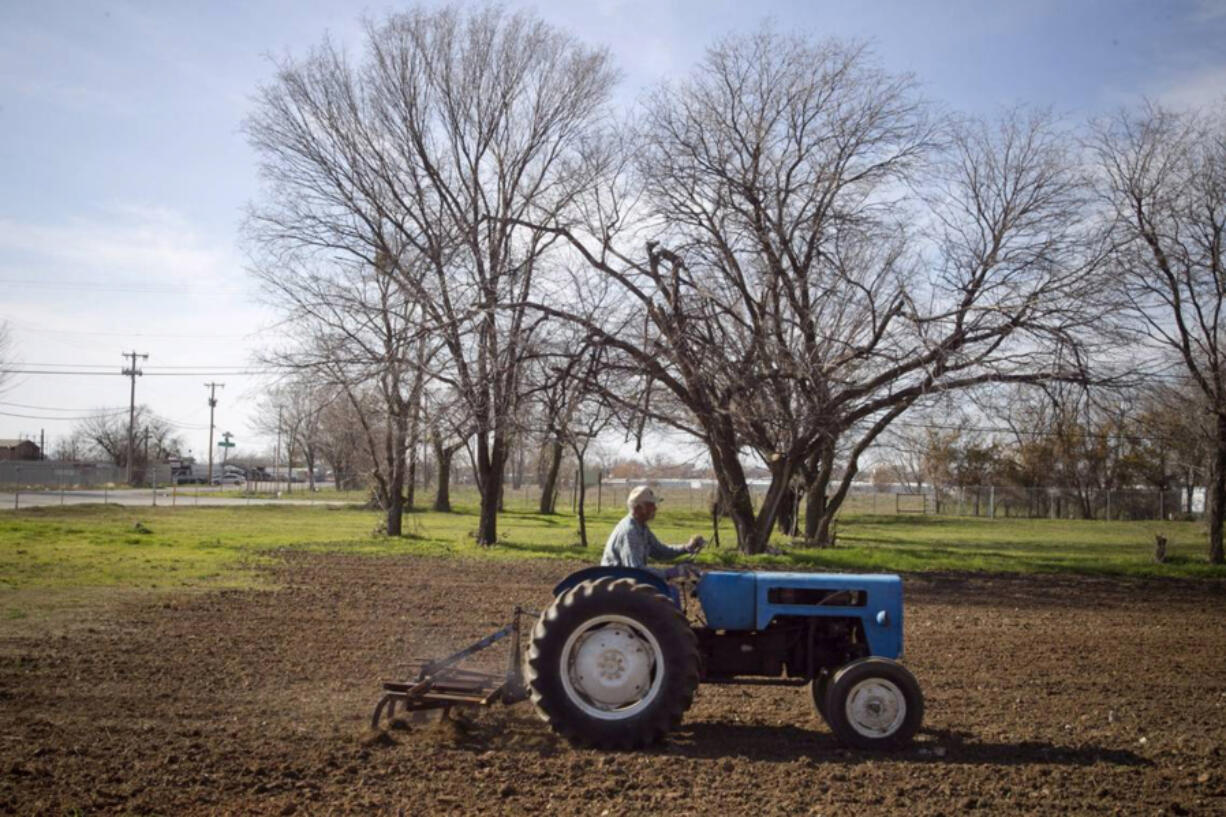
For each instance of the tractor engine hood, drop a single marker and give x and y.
(751, 600)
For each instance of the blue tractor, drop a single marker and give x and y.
(614, 661)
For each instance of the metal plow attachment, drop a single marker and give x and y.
(442, 685)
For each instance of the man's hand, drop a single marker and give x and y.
(696, 544)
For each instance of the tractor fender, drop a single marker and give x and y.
(639, 575)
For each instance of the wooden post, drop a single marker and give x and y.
(1159, 548)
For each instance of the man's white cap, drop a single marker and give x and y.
(641, 495)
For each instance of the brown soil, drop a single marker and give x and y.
(1044, 695)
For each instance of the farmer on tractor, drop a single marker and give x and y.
(631, 543)
(614, 661)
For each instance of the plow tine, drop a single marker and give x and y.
(441, 684)
(383, 702)
(494, 695)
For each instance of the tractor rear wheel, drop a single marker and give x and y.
(613, 664)
(874, 703)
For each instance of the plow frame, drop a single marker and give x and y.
(441, 684)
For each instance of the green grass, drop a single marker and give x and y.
(201, 547)
(928, 543)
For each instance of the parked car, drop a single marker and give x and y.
(229, 479)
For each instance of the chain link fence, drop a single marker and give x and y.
(55, 474)
(603, 494)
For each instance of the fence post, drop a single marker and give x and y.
(992, 502)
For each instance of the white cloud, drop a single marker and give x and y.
(129, 245)
(77, 292)
(1197, 90)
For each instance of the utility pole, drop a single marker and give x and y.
(132, 372)
(212, 387)
(276, 467)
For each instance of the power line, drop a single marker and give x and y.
(193, 373)
(94, 286)
(1035, 434)
(173, 335)
(110, 367)
(57, 408)
(70, 419)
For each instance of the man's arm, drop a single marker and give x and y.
(658, 550)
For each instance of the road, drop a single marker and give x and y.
(10, 500)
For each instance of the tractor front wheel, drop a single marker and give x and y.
(874, 703)
(613, 664)
(818, 688)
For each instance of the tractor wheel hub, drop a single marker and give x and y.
(876, 707)
(612, 666)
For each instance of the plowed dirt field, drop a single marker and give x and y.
(1045, 696)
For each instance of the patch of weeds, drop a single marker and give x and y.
(14, 614)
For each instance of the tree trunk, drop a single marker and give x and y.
(397, 453)
(816, 498)
(826, 525)
(764, 523)
(410, 480)
(735, 489)
(582, 494)
(1216, 499)
(490, 462)
(549, 489)
(442, 495)
(786, 519)
(395, 509)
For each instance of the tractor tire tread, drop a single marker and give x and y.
(623, 596)
(847, 676)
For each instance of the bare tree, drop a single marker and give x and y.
(295, 408)
(1163, 177)
(787, 307)
(342, 443)
(105, 437)
(559, 384)
(453, 124)
(1168, 442)
(573, 385)
(358, 334)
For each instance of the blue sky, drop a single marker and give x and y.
(123, 170)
